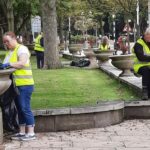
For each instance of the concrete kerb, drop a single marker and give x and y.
(103, 114)
(79, 118)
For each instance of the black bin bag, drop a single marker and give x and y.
(80, 63)
(9, 110)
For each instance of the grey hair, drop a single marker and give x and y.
(105, 38)
(147, 31)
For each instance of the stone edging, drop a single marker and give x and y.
(101, 107)
(104, 114)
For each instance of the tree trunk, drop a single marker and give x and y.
(10, 15)
(7, 8)
(51, 55)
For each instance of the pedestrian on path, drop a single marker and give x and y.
(18, 57)
(141, 50)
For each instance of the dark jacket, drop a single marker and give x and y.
(138, 49)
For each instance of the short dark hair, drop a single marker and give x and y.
(11, 34)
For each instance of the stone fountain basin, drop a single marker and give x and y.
(123, 61)
(103, 55)
(89, 53)
(5, 80)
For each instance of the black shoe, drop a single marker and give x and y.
(17, 136)
(144, 94)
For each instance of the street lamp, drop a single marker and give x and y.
(69, 31)
(114, 28)
(137, 19)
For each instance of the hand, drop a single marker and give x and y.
(5, 66)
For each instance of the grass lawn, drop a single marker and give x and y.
(75, 87)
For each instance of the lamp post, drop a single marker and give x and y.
(96, 35)
(128, 35)
(114, 28)
(69, 31)
(137, 19)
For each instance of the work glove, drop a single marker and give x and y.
(5, 66)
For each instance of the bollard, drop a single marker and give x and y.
(1, 127)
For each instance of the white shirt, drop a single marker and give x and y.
(22, 50)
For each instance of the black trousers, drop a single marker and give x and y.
(40, 59)
(145, 72)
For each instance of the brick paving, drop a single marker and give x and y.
(129, 135)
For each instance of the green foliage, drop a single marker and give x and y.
(77, 38)
(23, 10)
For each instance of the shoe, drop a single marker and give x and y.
(17, 136)
(144, 93)
(28, 138)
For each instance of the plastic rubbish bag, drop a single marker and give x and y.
(81, 63)
(9, 110)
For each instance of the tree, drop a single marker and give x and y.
(7, 8)
(23, 11)
(51, 60)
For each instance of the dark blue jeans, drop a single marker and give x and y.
(40, 59)
(23, 105)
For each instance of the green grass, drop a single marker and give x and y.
(75, 87)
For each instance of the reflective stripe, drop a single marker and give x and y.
(22, 77)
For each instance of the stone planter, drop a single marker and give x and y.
(5, 83)
(91, 56)
(74, 48)
(103, 56)
(124, 63)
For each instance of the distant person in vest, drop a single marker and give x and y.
(141, 66)
(104, 46)
(39, 48)
(18, 57)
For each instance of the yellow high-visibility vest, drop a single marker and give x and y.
(104, 48)
(38, 46)
(21, 76)
(138, 64)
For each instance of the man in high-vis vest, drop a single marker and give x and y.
(39, 49)
(141, 66)
(18, 57)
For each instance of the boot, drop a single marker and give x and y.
(145, 93)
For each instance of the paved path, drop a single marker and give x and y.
(129, 135)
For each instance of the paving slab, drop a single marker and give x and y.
(128, 135)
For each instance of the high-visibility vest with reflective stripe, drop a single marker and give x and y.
(38, 46)
(21, 76)
(138, 64)
(104, 48)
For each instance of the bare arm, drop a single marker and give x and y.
(21, 61)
